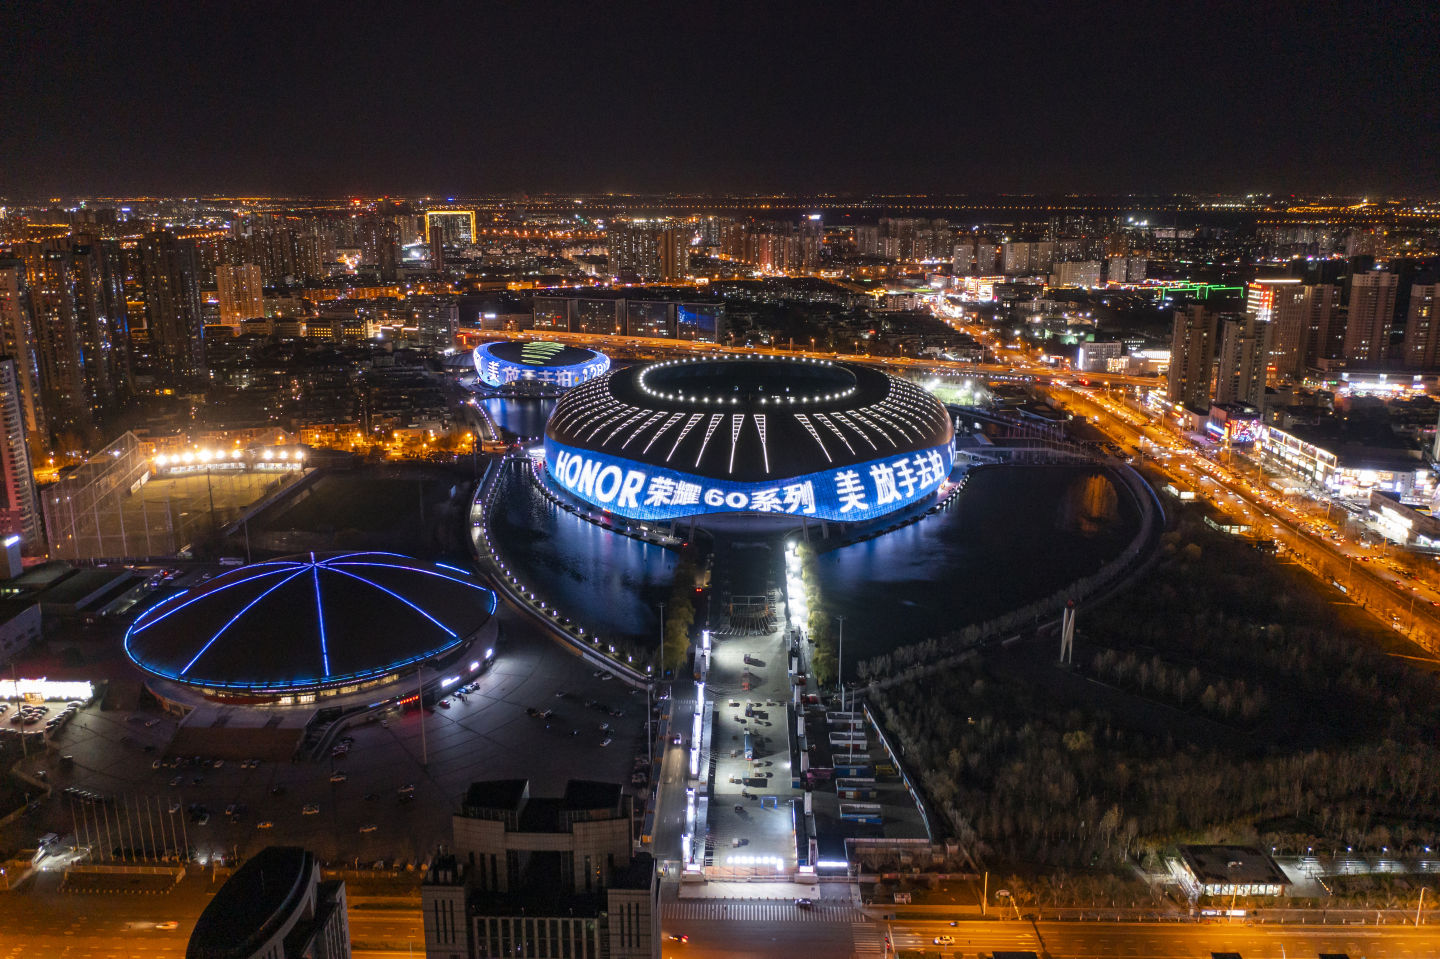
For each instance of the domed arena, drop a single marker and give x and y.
(289, 631)
(754, 435)
(538, 363)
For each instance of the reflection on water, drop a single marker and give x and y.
(611, 584)
(523, 417)
(1013, 535)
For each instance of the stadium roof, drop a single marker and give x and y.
(749, 419)
(540, 353)
(311, 621)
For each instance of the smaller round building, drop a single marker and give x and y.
(535, 363)
(295, 630)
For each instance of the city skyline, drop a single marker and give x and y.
(201, 99)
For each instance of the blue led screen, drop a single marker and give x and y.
(849, 494)
(696, 322)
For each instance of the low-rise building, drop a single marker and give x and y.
(1230, 871)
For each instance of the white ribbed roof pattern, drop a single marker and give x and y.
(881, 416)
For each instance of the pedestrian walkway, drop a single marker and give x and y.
(774, 911)
(867, 940)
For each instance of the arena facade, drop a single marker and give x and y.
(538, 362)
(315, 627)
(813, 438)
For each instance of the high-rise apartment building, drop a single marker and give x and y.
(169, 269)
(1282, 305)
(987, 255)
(634, 247)
(242, 293)
(19, 509)
(1192, 355)
(1083, 273)
(1370, 316)
(673, 248)
(103, 319)
(57, 338)
(1244, 353)
(1422, 328)
(17, 341)
(1036, 256)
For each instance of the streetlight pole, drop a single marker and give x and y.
(649, 689)
(840, 660)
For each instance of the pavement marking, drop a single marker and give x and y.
(867, 941)
(776, 911)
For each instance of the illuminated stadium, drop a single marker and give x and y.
(292, 630)
(749, 435)
(516, 365)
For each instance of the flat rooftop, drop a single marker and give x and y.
(1236, 865)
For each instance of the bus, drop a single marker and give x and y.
(749, 746)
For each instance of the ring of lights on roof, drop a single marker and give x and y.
(311, 623)
(538, 361)
(813, 438)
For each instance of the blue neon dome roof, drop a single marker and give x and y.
(310, 621)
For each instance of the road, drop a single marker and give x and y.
(39, 920)
(646, 347)
(1376, 586)
(1153, 940)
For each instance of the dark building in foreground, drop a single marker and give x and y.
(542, 877)
(274, 907)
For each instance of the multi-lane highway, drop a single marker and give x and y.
(39, 920)
(1167, 940)
(1386, 590)
(648, 348)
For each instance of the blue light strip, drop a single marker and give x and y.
(409, 569)
(210, 592)
(447, 629)
(234, 618)
(320, 614)
(453, 569)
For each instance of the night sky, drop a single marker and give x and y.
(362, 98)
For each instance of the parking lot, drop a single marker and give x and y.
(750, 811)
(360, 813)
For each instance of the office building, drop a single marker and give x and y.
(275, 906)
(1244, 353)
(1370, 317)
(533, 877)
(174, 324)
(19, 508)
(1192, 355)
(1422, 328)
(242, 293)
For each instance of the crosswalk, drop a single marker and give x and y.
(868, 940)
(782, 910)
